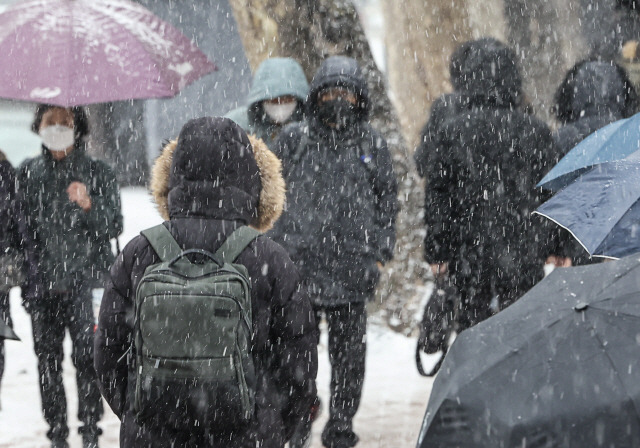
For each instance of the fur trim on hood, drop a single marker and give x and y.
(272, 195)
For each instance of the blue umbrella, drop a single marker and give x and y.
(613, 142)
(601, 208)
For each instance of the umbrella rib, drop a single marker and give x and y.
(615, 370)
(536, 212)
(514, 350)
(628, 212)
(617, 279)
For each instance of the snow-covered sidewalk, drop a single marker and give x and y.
(394, 401)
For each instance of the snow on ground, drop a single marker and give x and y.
(393, 403)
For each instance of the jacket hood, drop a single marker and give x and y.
(215, 170)
(278, 77)
(593, 88)
(486, 72)
(339, 71)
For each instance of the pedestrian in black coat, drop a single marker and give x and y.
(72, 205)
(481, 187)
(592, 95)
(339, 226)
(207, 183)
(17, 247)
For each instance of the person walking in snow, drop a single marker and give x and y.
(339, 226)
(72, 207)
(213, 180)
(480, 188)
(18, 259)
(276, 98)
(592, 95)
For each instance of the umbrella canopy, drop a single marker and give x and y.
(78, 52)
(601, 208)
(558, 368)
(613, 142)
(6, 332)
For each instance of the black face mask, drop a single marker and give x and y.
(338, 114)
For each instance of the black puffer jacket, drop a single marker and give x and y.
(470, 83)
(72, 243)
(481, 183)
(342, 203)
(592, 95)
(208, 183)
(442, 109)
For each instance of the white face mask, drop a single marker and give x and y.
(57, 137)
(279, 113)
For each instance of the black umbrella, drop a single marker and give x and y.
(558, 368)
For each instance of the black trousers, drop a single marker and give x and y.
(347, 326)
(60, 311)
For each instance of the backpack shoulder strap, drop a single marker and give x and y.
(236, 243)
(162, 242)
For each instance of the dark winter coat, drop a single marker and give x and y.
(341, 204)
(274, 78)
(471, 81)
(14, 236)
(442, 109)
(481, 184)
(207, 184)
(73, 244)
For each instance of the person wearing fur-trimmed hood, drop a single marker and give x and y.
(209, 182)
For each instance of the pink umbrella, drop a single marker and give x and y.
(78, 52)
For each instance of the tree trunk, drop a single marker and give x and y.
(547, 36)
(420, 37)
(309, 31)
(422, 34)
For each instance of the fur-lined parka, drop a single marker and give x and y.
(208, 182)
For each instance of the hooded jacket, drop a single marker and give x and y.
(342, 195)
(206, 184)
(274, 78)
(480, 188)
(72, 243)
(592, 95)
(473, 76)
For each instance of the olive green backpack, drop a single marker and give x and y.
(192, 335)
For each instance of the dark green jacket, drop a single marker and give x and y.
(72, 243)
(274, 78)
